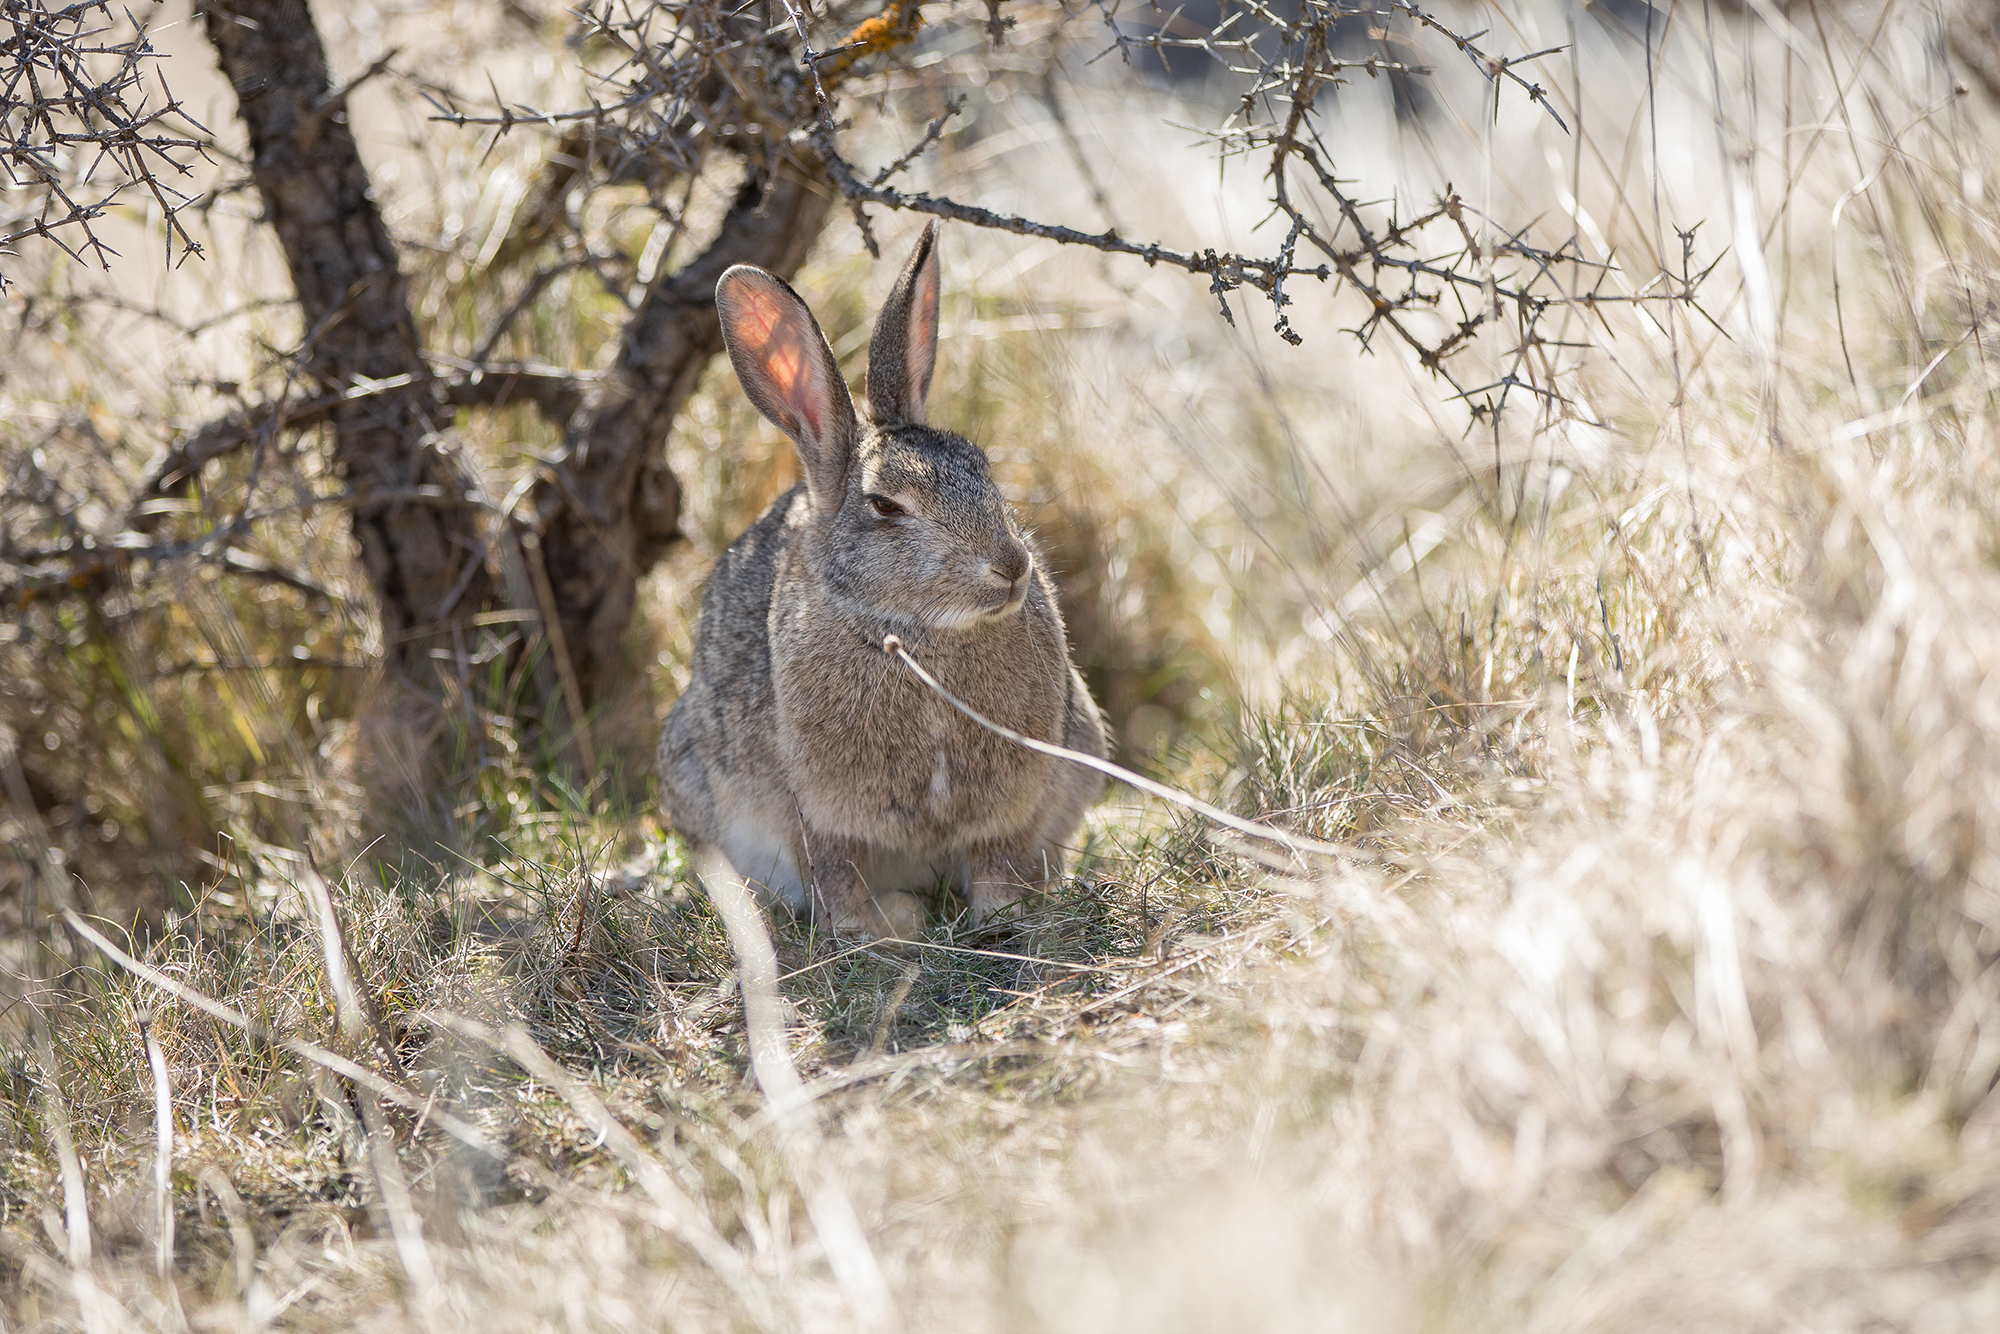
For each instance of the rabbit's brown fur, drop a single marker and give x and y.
(818, 766)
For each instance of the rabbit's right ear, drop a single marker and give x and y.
(903, 351)
(786, 368)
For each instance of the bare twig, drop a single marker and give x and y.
(931, 135)
(1293, 843)
(827, 1203)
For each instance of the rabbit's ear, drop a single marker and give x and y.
(786, 368)
(903, 351)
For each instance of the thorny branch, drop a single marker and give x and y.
(715, 90)
(80, 562)
(84, 119)
(690, 81)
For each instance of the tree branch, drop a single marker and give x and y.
(609, 507)
(354, 298)
(555, 392)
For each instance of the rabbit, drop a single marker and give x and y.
(822, 769)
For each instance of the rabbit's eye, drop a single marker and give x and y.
(886, 507)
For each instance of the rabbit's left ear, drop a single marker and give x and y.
(903, 352)
(786, 368)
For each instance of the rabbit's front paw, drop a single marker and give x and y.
(896, 916)
(1002, 876)
(989, 901)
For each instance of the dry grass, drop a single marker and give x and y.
(1659, 988)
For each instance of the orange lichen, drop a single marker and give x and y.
(895, 25)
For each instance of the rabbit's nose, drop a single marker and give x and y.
(1011, 566)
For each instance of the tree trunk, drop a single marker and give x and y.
(609, 507)
(415, 517)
